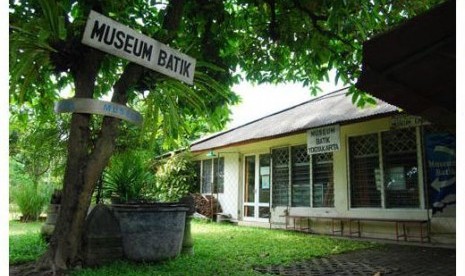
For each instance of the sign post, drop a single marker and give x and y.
(117, 39)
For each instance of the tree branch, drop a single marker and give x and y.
(273, 23)
(315, 18)
(172, 19)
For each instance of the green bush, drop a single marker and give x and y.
(17, 175)
(175, 177)
(30, 197)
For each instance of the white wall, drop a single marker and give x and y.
(229, 199)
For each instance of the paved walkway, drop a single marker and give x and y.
(391, 259)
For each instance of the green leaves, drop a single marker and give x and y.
(54, 20)
(293, 41)
(360, 98)
(175, 177)
(131, 178)
(179, 112)
(31, 41)
(126, 177)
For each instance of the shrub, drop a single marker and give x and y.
(17, 175)
(175, 177)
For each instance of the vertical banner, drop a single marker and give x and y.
(440, 158)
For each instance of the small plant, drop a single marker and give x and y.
(126, 178)
(175, 177)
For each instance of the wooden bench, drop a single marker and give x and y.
(400, 227)
(298, 218)
(337, 225)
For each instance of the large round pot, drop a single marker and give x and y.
(151, 232)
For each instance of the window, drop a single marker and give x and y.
(400, 169)
(212, 175)
(396, 185)
(264, 186)
(306, 180)
(322, 176)
(280, 181)
(365, 188)
(300, 176)
(207, 178)
(249, 180)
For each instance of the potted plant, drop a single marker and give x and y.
(150, 231)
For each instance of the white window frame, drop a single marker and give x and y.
(212, 170)
(310, 167)
(419, 150)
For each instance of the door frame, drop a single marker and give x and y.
(256, 204)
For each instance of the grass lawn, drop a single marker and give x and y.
(220, 249)
(25, 241)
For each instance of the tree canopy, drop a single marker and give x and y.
(270, 41)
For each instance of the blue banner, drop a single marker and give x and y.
(440, 158)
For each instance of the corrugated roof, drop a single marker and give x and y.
(328, 109)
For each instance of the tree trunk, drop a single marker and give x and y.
(65, 243)
(85, 164)
(87, 158)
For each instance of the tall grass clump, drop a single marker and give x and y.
(30, 196)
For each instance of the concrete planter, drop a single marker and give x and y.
(102, 242)
(151, 232)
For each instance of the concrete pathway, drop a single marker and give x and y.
(391, 259)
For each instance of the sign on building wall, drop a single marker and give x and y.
(440, 158)
(92, 106)
(399, 121)
(117, 39)
(323, 139)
